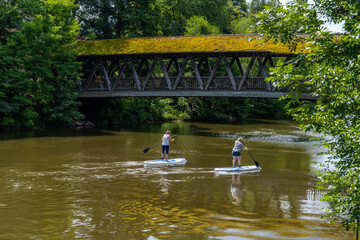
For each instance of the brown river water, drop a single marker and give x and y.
(91, 184)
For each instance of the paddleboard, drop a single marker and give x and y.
(250, 168)
(169, 162)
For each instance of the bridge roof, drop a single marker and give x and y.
(183, 44)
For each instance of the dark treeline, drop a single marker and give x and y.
(39, 72)
(145, 110)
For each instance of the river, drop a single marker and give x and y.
(91, 184)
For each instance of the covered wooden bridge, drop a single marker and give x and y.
(212, 66)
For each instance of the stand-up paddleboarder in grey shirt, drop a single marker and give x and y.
(236, 151)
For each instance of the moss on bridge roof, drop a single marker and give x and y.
(184, 44)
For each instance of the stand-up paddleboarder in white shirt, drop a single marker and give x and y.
(166, 139)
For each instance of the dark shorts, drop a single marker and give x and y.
(165, 148)
(236, 154)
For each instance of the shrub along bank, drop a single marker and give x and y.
(125, 111)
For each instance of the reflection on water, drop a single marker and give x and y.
(92, 185)
(236, 189)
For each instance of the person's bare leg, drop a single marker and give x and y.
(234, 160)
(239, 161)
(166, 157)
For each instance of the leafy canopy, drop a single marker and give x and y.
(38, 69)
(331, 72)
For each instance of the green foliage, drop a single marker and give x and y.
(117, 18)
(257, 6)
(198, 25)
(237, 9)
(232, 109)
(344, 196)
(38, 69)
(242, 25)
(134, 111)
(172, 109)
(330, 72)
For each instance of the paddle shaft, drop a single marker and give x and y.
(147, 149)
(256, 163)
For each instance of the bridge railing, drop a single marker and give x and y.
(189, 83)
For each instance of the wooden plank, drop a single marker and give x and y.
(88, 81)
(266, 59)
(231, 64)
(121, 74)
(111, 70)
(178, 67)
(262, 70)
(177, 64)
(107, 80)
(142, 62)
(229, 73)
(182, 70)
(240, 66)
(149, 75)
(197, 74)
(271, 62)
(202, 60)
(246, 73)
(133, 70)
(147, 64)
(139, 68)
(213, 71)
(166, 75)
(208, 65)
(170, 64)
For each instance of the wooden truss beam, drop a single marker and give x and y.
(213, 73)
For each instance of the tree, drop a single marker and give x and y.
(107, 19)
(38, 69)
(242, 25)
(330, 71)
(259, 5)
(175, 14)
(200, 26)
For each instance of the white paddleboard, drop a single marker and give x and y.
(169, 162)
(251, 168)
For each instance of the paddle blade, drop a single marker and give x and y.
(146, 150)
(256, 163)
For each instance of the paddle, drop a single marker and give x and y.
(256, 163)
(147, 149)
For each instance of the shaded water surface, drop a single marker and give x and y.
(91, 184)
